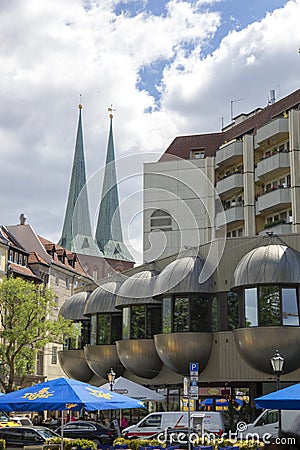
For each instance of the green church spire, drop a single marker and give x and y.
(77, 231)
(108, 235)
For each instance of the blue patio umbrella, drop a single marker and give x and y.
(65, 394)
(219, 402)
(287, 398)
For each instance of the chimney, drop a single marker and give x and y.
(272, 98)
(22, 219)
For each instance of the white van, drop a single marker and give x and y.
(160, 421)
(267, 423)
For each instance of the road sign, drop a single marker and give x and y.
(194, 368)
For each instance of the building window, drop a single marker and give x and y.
(56, 279)
(190, 314)
(103, 329)
(116, 328)
(251, 307)
(271, 306)
(54, 355)
(167, 314)
(232, 311)
(142, 321)
(290, 312)
(67, 283)
(160, 220)
(197, 153)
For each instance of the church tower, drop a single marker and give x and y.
(109, 237)
(77, 231)
(106, 253)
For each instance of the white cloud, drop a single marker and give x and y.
(52, 51)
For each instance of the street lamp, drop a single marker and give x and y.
(111, 379)
(277, 362)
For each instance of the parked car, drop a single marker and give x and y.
(6, 421)
(93, 431)
(21, 420)
(17, 437)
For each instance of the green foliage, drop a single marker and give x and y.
(73, 443)
(28, 315)
(135, 444)
(2, 444)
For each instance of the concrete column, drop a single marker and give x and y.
(210, 198)
(294, 130)
(249, 194)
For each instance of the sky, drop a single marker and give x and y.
(168, 68)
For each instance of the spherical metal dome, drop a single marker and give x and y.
(73, 307)
(102, 299)
(137, 289)
(181, 276)
(269, 264)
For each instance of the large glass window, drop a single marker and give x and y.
(167, 315)
(94, 329)
(269, 306)
(116, 328)
(290, 312)
(153, 320)
(232, 310)
(103, 329)
(251, 316)
(200, 314)
(181, 315)
(126, 323)
(138, 323)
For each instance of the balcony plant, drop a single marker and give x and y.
(273, 224)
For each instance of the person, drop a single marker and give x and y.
(124, 422)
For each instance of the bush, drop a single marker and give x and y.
(73, 443)
(135, 444)
(2, 444)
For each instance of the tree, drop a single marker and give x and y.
(28, 323)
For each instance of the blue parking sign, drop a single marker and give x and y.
(194, 367)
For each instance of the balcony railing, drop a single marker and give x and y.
(229, 152)
(273, 197)
(277, 129)
(269, 165)
(230, 183)
(230, 215)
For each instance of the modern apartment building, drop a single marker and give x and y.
(221, 280)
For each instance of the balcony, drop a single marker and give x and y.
(277, 228)
(233, 214)
(229, 154)
(272, 200)
(277, 129)
(230, 184)
(272, 165)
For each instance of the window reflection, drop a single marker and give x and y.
(232, 311)
(251, 307)
(181, 315)
(167, 315)
(290, 313)
(269, 305)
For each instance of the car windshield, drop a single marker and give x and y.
(47, 433)
(3, 417)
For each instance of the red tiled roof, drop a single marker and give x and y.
(35, 258)
(24, 271)
(70, 256)
(182, 145)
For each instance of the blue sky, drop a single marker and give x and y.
(169, 68)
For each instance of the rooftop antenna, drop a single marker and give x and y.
(231, 106)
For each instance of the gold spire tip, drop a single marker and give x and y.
(111, 111)
(80, 106)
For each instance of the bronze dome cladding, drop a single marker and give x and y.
(137, 289)
(74, 365)
(139, 357)
(269, 264)
(73, 307)
(100, 359)
(103, 299)
(257, 345)
(181, 276)
(177, 350)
